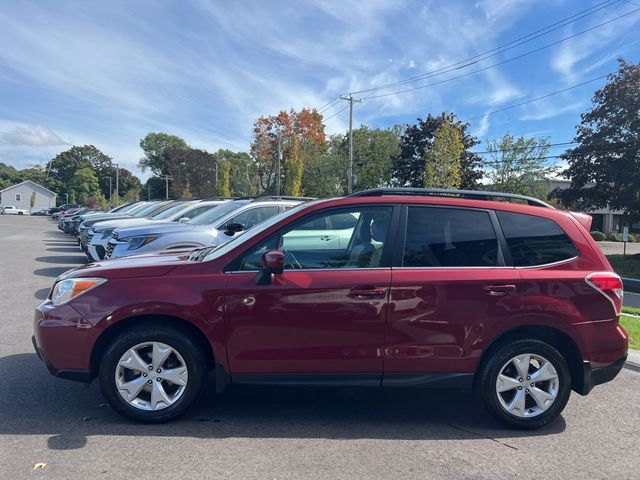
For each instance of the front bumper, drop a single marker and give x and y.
(64, 340)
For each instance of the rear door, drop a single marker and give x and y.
(450, 288)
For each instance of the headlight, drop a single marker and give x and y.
(107, 233)
(137, 242)
(67, 289)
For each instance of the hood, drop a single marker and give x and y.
(135, 266)
(103, 218)
(121, 223)
(154, 228)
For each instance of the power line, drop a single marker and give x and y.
(530, 52)
(497, 50)
(337, 113)
(537, 98)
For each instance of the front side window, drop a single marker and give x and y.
(449, 237)
(535, 240)
(307, 247)
(253, 216)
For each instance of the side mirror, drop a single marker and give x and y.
(272, 264)
(232, 228)
(183, 220)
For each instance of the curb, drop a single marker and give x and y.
(631, 285)
(633, 358)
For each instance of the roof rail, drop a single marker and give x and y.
(437, 192)
(282, 197)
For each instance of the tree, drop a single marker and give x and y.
(409, 166)
(325, 174)
(442, 159)
(289, 133)
(154, 188)
(84, 184)
(373, 150)
(518, 165)
(222, 187)
(32, 201)
(605, 166)
(154, 145)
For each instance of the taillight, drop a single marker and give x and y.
(610, 285)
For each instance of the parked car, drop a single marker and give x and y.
(101, 232)
(215, 227)
(44, 212)
(97, 245)
(434, 289)
(11, 210)
(62, 208)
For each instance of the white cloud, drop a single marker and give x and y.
(31, 135)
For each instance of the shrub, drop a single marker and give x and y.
(598, 236)
(614, 237)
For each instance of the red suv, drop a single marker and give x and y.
(408, 288)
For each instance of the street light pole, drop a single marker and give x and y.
(117, 184)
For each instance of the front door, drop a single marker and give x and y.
(325, 314)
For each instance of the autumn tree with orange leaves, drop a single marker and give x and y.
(293, 131)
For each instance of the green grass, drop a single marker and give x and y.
(632, 326)
(626, 265)
(631, 310)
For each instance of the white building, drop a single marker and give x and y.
(19, 196)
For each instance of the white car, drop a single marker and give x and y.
(9, 210)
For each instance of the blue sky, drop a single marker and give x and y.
(105, 73)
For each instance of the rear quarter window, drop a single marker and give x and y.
(535, 240)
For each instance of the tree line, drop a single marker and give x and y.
(291, 154)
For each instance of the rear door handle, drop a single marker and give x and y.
(364, 293)
(497, 290)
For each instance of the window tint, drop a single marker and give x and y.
(341, 221)
(250, 218)
(448, 237)
(535, 240)
(319, 223)
(359, 246)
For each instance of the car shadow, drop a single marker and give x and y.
(71, 412)
(42, 293)
(52, 272)
(66, 259)
(72, 248)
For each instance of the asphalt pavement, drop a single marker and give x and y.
(275, 433)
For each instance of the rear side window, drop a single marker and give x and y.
(449, 237)
(535, 240)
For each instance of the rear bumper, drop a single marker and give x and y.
(596, 376)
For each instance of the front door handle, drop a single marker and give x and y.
(325, 238)
(497, 290)
(365, 293)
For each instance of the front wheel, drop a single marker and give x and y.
(152, 374)
(525, 383)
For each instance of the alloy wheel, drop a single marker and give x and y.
(527, 385)
(151, 376)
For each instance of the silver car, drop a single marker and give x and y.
(212, 228)
(175, 211)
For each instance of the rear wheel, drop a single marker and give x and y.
(525, 383)
(152, 374)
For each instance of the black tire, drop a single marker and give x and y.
(183, 343)
(20, 213)
(489, 376)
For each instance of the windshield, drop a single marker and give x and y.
(148, 210)
(249, 234)
(167, 212)
(216, 213)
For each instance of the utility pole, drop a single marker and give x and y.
(148, 190)
(110, 194)
(350, 99)
(117, 184)
(166, 183)
(278, 174)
